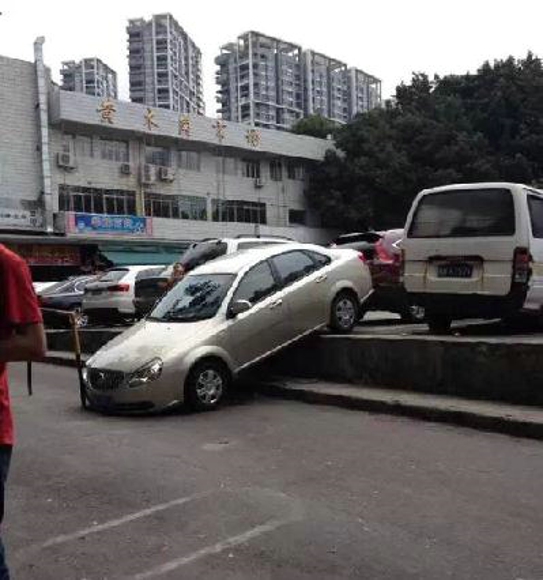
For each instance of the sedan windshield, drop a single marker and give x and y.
(193, 298)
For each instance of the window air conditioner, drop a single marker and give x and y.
(166, 174)
(65, 160)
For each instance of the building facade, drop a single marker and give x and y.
(267, 82)
(90, 76)
(81, 174)
(165, 65)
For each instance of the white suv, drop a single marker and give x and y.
(112, 295)
(201, 252)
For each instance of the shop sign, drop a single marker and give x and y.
(47, 254)
(89, 223)
(19, 218)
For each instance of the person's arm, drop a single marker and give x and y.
(26, 343)
(21, 315)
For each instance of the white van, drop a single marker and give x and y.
(475, 250)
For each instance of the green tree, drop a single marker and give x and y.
(314, 126)
(486, 126)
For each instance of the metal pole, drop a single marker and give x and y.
(77, 352)
(29, 378)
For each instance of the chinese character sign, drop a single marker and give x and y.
(184, 126)
(149, 119)
(107, 111)
(87, 223)
(253, 137)
(220, 130)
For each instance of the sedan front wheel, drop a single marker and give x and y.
(206, 385)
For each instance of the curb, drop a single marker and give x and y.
(496, 424)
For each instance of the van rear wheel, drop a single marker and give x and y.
(439, 323)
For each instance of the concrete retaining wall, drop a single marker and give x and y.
(492, 370)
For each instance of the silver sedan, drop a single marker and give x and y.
(222, 318)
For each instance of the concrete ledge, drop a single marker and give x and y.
(474, 368)
(497, 417)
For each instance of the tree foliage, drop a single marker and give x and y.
(486, 126)
(314, 126)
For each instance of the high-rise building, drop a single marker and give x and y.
(325, 88)
(90, 76)
(165, 65)
(364, 92)
(268, 82)
(260, 81)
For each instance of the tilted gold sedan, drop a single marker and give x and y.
(223, 317)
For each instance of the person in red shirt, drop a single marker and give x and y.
(22, 338)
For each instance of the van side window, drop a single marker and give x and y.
(535, 205)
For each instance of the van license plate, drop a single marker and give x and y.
(454, 271)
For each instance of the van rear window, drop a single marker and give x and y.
(463, 213)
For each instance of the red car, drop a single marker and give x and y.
(384, 259)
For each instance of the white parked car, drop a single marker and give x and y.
(201, 252)
(475, 250)
(222, 318)
(111, 297)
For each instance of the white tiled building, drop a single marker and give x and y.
(103, 173)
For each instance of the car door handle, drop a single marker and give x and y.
(276, 304)
(321, 278)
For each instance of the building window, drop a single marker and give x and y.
(157, 156)
(83, 146)
(186, 207)
(228, 165)
(295, 171)
(189, 160)
(192, 207)
(234, 210)
(96, 200)
(276, 170)
(164, 206)
(251, 169)
(297, 217)
(111, 150)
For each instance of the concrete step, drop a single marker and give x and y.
(517, 420)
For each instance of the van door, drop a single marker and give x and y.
(534, 299)
(462, 241)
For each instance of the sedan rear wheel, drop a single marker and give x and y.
(206, 385)
(345, 313)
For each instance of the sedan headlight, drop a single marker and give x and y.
(85, 376)
(146, 374)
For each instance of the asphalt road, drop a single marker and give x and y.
(264, 489)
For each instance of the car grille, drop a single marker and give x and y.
(104, 380)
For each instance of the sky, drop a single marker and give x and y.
(389, 39)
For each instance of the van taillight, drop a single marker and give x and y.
(119, 288)
(522, 266)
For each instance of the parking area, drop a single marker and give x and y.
(264, 489)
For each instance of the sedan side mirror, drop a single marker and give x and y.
(238, 307)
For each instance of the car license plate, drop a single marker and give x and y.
(96, 292)
(455, 270)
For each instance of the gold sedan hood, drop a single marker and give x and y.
(150, 339)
